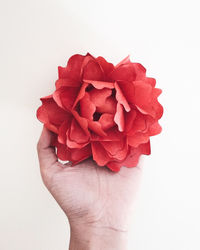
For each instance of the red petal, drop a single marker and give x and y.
(145, 148)
(65, 97)
(137, 139)
(150, 81)
(128, 90)
(95, 126)
(107, 121)
(121, 99)
(73, 69)
(99, 154)
(114, 166)
(116, 149)
(140, 71)
(80, 94)
(78, 155)
(132, 158)
(92, 71)
(154, 129)
(77, 134)
(105, 66)
(143, 93)
(81, 121)
(129, 120)
(66, 83)
(139, 124)
(87, 107)
(124, 72)
(146, 101)
(99, 96)
(126, 60)
(119, 117)
(51, 115)
(100, 84)
(109, 106)
(63, 152)
(62, 132)
(112, 135)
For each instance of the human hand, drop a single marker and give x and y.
(97, 201)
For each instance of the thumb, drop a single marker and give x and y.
(46, 152)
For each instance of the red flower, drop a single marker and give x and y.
(104, 111)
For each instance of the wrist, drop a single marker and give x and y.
(94, 237)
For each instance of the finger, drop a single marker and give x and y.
(46, 153)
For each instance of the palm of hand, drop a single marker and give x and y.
(87, 193)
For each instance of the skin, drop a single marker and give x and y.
(97, 202)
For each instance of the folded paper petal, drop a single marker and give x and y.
(51, 114)
(93, 71)
(137, 139)
(120, 98)
(109, 106)
(100, 84)
(105, 66)
(119, 117)
(116, 149)
(99, 154)
(107, 121)
(65, 97)
(63, 152)
(98, 97)
(78, 155)
(73, 69)
(87, 107)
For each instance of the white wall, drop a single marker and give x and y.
(39, 35)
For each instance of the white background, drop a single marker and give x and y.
(39, 35)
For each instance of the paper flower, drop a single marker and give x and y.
(102, 111)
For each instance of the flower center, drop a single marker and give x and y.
(96, 116)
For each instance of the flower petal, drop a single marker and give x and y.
(121, 99)
(126, 60)
(107, 121)
(138, 70)
(139, 124)
(99, 154)
(124, 72)
(119, 117)
(132, 158)
(93, 71)
(80, 94)
(96, 127)
(81, 121)
(77, 134)
(116, 149)
(66, 83)
(65, 97)
(87, 108)
(105, 66)
(99, 96)
(137, 139)
(129, 120)
(114, 166)
(63, 152)
(51, 115)
(78, 155)
(100, 84)
(73, 69)
(113, 134)
(154, 129)
(109, 106)
(62, 132)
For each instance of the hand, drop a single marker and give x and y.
(96, 200)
